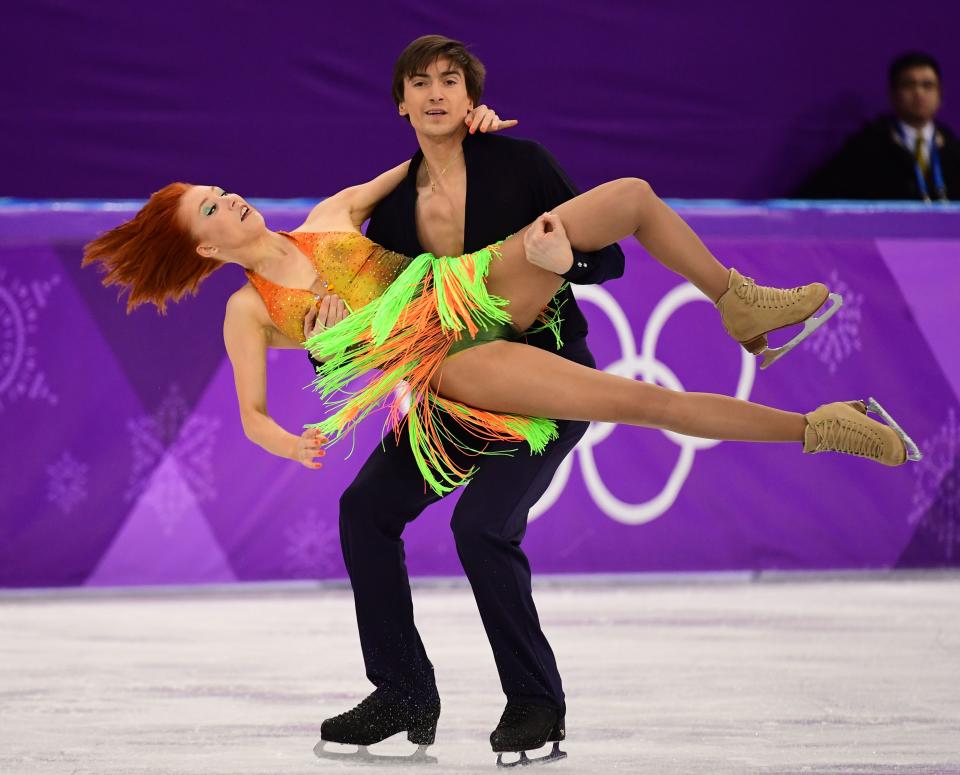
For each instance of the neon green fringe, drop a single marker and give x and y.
(385, 335)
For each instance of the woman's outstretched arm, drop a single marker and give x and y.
(246, 339)
(358, 202)
(352, 206)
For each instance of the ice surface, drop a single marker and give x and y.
(833, 676)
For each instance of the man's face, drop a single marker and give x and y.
(436, 99)
(916, 95)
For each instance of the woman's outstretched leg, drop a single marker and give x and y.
(513, 378)
(634, 209)
(629, 207)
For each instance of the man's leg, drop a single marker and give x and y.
(387, 493)
(489, 523)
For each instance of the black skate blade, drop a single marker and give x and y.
(913, 451)
(363, 755)
(773, 354)
(525, 761)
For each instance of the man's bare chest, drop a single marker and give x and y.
(441, 218)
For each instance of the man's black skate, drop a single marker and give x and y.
(375, 719)
(524, 727)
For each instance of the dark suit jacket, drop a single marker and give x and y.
(874, 165)
(510, 183)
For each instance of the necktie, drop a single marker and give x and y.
(920, 156)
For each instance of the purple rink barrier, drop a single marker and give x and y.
(124, 461)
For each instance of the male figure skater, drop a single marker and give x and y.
(464, 191)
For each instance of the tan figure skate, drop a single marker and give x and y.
(750, 312)
(844, 427)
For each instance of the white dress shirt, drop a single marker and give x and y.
(910, 138)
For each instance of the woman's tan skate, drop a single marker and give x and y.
(750, 312)
(844, 427)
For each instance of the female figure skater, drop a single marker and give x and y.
(447, 326)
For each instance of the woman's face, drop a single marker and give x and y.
(220, 222)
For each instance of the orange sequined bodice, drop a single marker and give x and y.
(348, 264)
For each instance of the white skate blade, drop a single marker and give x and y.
(772, 355)
(913, 451)
(363, 756)
(525, 761)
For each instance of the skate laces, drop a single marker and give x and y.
(840, 435)
(765, 296)
(370, 702)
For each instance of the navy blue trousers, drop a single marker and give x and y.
(488, 525)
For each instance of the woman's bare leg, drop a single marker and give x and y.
(630, 205)
(515, 378)
(595, 219)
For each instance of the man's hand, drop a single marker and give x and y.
(330, 311)
(309, 447)
(547, 246)
(486, 119)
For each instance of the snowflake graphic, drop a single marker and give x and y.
(172, 433)
(20, 305)
(67, 482)
(936, 494)
(312, 547)
(838, 338)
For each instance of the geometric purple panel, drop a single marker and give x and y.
(124, 460)
(62, 397)
(166, 538)
(921, 267)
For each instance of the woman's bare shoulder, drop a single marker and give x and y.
(245, 304)
(247, 315)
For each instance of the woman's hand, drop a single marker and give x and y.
(309, 447)
(486, 120)
(327, 313)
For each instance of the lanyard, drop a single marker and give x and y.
(936, 170)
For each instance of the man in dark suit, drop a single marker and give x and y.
(464, 191)
(908, 155)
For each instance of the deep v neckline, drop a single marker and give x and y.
(311, 259)
(346, 263)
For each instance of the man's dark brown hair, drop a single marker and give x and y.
(908, 61)
(426, 50)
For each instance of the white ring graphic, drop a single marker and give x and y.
(649, 369)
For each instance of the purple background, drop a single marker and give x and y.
(123, 459)
(116, 98)
(124, 462)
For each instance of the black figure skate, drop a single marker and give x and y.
(375, 719)
(524, 727)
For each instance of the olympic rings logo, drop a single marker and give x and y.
(649, 369)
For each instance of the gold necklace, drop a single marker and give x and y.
(433, 185)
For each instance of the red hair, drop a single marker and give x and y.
(153, 255)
